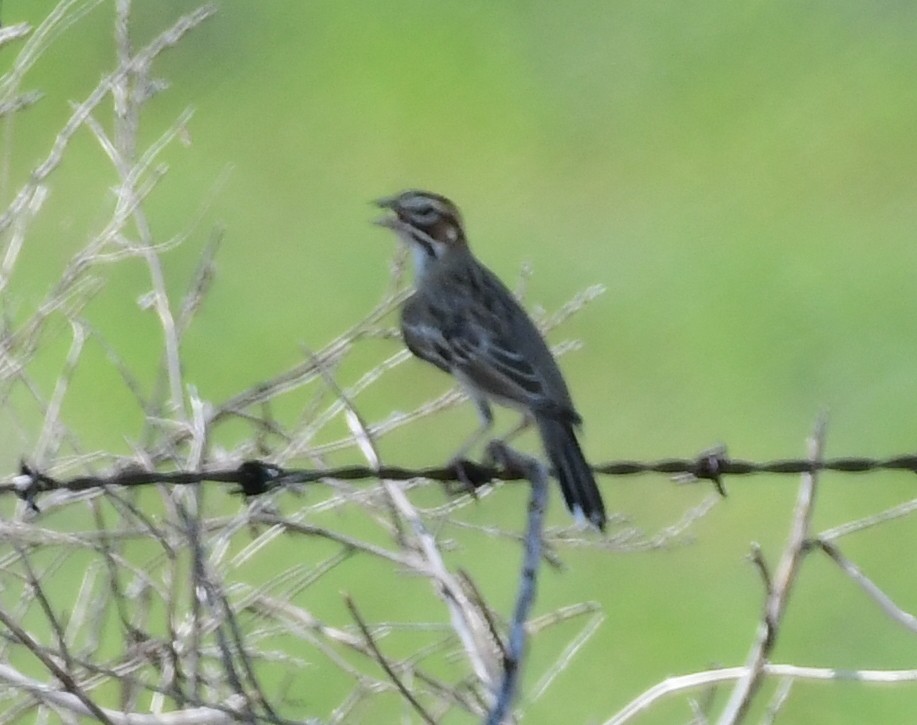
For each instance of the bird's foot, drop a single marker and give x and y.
(469, 476)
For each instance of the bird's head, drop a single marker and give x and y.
(428, 223)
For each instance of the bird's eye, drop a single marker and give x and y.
(424, 213)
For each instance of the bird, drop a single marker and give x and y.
(461, 318)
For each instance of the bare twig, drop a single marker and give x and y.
(72, 703)
(852, 527)
(60, 673)
(383, 662)
(905, 619)
(572, 648)
(14, 32)
(684, 683)
(777, 701)
(141, 60)
(779, 588)
(467, 620)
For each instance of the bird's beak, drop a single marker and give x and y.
(390, 222)
(386, 202)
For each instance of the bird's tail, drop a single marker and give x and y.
(573, 472)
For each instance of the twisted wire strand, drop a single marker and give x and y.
(255, 477)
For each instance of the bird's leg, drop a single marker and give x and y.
(487, 422)
(524, 422)
(458, 460)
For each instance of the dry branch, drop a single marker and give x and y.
(778, 588)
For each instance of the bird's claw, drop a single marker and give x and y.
(469, 476)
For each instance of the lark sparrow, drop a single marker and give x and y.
(465, 321)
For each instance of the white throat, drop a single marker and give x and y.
(422, 261)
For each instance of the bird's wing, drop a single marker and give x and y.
(502, 363)
(481, 345)
(488, 357)
(428, 343)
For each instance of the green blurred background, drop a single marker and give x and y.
(740, 176)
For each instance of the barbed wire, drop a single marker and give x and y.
(255, 477)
